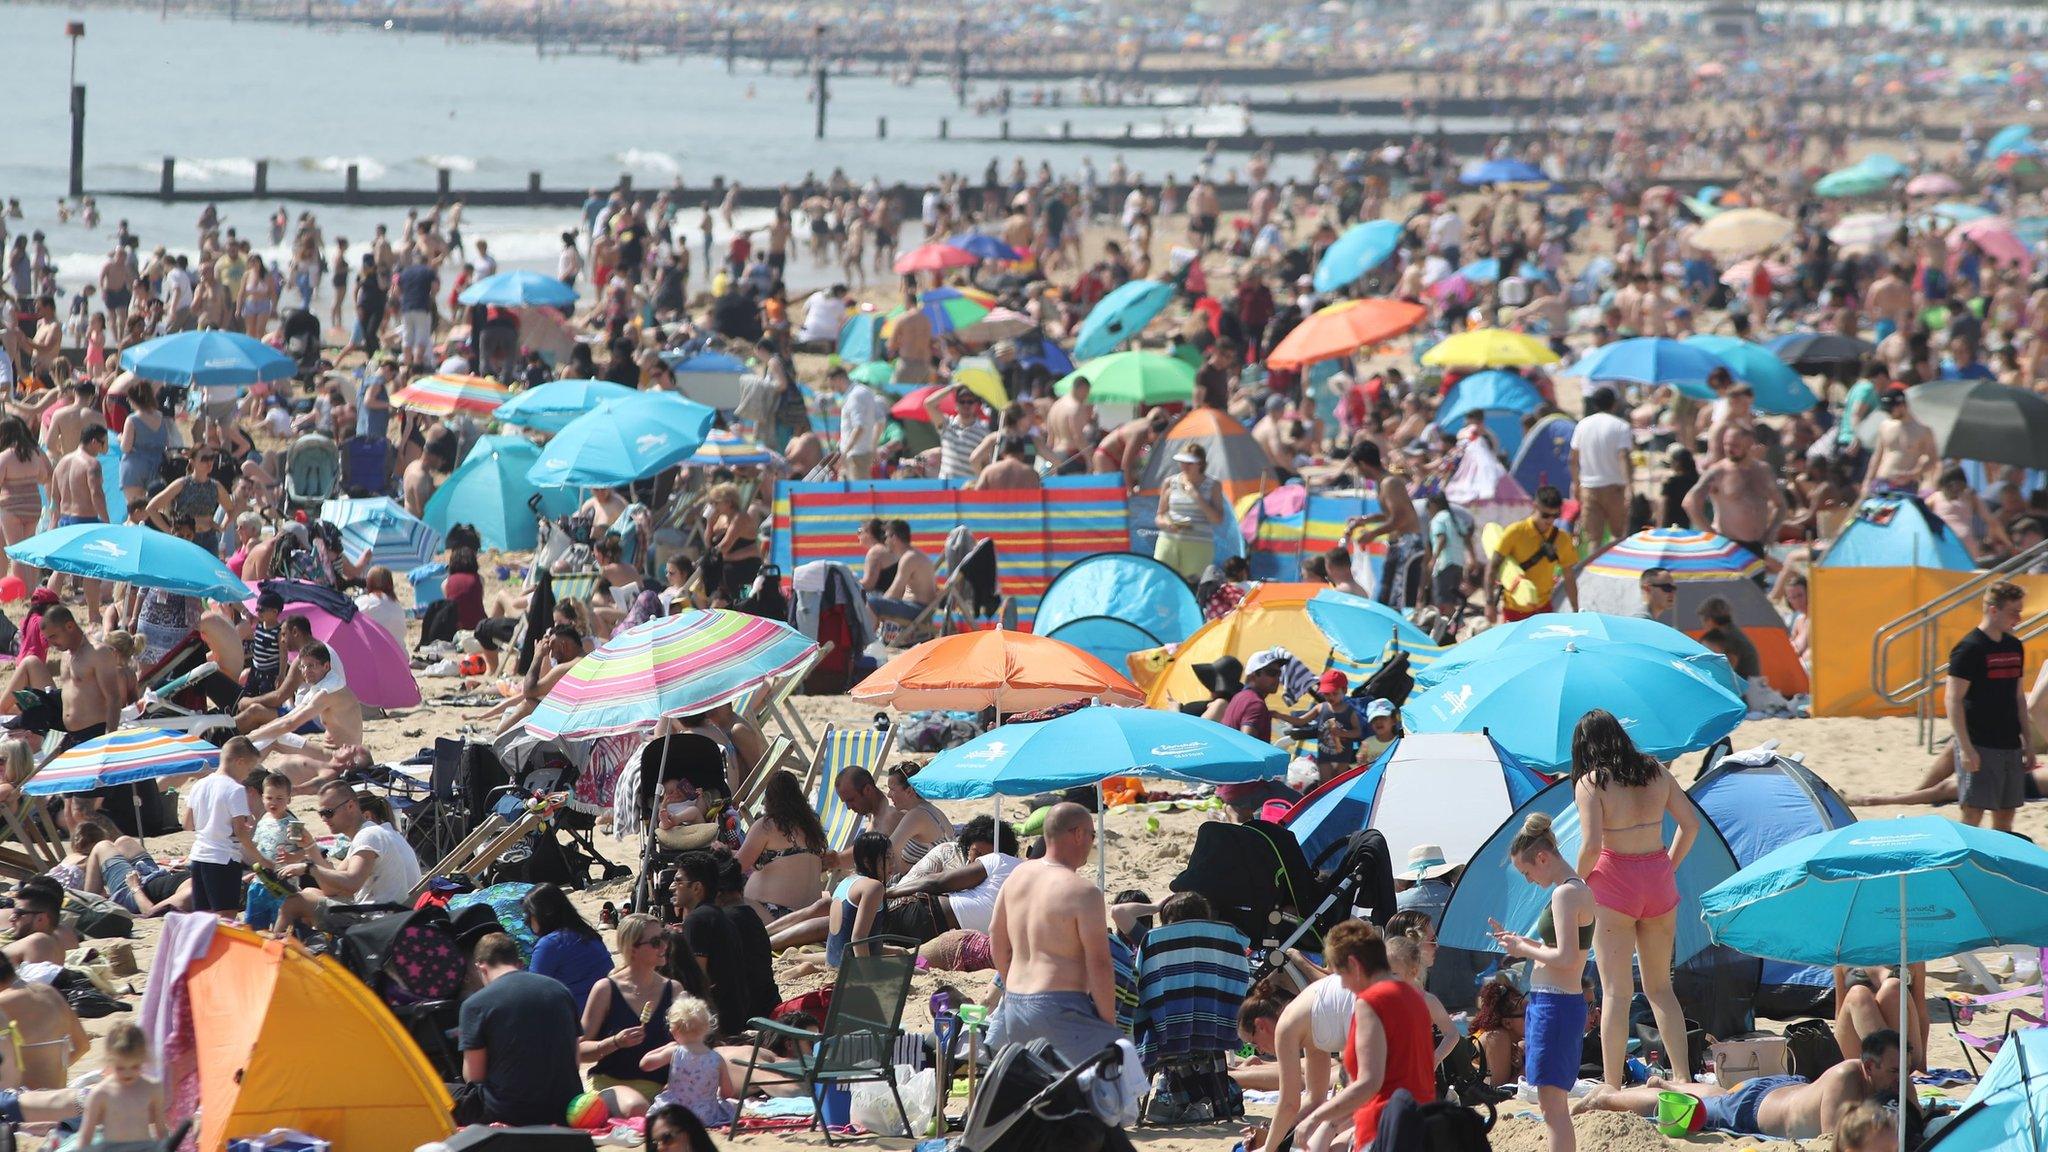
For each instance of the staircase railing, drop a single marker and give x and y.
(1911, 642)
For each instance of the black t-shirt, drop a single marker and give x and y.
(528, 1025)
(717, 944)
(1991, 704)
(762, 993)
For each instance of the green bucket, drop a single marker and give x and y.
(1677, 1113)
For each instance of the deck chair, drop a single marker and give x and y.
(857, 1044)
(756, 778)
(972, 591)
(1191, 978)
(769, 704)
(838, 750)
(1963, 1007)
(482, 847)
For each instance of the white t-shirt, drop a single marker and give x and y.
(216, 801)
(861, 416)
(395, 870)
(387, 612)
(1602, 440)
(824, 313)
(976, 907)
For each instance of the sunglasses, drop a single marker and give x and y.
(1549, 513)
(1665, 587)
(327, 812)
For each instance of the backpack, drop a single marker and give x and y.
(1438, 1126)
(1811, 1047)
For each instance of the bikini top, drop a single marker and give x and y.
(1546, 925)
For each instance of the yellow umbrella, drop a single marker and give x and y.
(1489, 348)
(1743, 232)
(979, 375)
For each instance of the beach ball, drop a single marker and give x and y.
(12, 589)
(589, 1112)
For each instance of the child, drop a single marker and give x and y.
(124, 1106)
(1335, 721)
(265, 655)
(1383, 727)
(686, 820)
(277, 831)
(1404, 960)
(698, 1078)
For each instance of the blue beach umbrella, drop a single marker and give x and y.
(1648, 360)
(1481, 271)
(550, 407)
(1552, 631)
(1779, 390)
(519, 290)
(983, 246)
(1884, 164)
(210, 359)
(1855, 180)
(1090, 745)
(380, 529)
(129, 756)
(2011, 138)
(1119, 316)
(623, 441)
(1530, 699)
(132, 554)
(1502, 172)
(1504, 396)
(1362, 248)
(1360, 628)
(490, 492)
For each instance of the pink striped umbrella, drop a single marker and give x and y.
(671, 666)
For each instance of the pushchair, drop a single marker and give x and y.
(312, 472)
(1032, 1101)
(1255, 879)
(300, 331)
(415, 965)
(693, 758)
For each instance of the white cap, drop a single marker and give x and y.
(1266, 658)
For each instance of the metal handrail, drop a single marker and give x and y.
(1922, 625)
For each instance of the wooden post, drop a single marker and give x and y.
(1066, 129)
(1006, 128)
(168, 182)
(945, 128)
(352, 182)
(263, 177)
(533, 184)
(440, 181)
(823, 98)
(731, 50)
(77, 180)
(881, 127)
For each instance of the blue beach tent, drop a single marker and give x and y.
(1896, 532)
(1450, 789)
(1112, 604)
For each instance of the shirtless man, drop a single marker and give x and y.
(69, 419)
(1011, 471)
(563, 649)
(81, 498)
(1397, 523)
(322, 698)
(1787, 1107)
(1066, 427)
(1272, 434)
(1906, 453)
(1050, 939)
(1125, 448)
(1889, 301)
(37, 933)
(50, 1036)
(117, 288)
(421, 477)
(1748, 504)
(88, 686)
(917, 581)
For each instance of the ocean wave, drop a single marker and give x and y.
(208, 169)
(648, 161)
(367, 168)
(452, 162)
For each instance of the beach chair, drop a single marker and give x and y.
(756, 778)
(366, 466)
(972, 591)
(857, 1044)
(485, 844)
(312, 472)
(1963, 1007)
(769, 704)
(838, 750)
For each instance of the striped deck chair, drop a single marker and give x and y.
(838, 750)
(769, 704)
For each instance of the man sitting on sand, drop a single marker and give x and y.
(321, 703)
(1786, 1107)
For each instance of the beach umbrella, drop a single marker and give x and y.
(1950, 212)
(1501, 172)
(875, 373)
(999, 324)
(670, 666)
(1932, 184)
(1343, 328)
(948, 309)
(209, 359)
(1552, 631)
(444, 394)
(519, 290)
(934, 258)
(1984, 420)
(1819, 352)
(1877, 891)
(1648, 360)
(710, 377)
(1362, 248)
(1088, 745)
(1489, 348)
(1852, 181)
(2011, 138)
(623, 441)
(551, 406)
(1485, 271)
(1133, 378)
(979, 375)
(1995, 237)
(1688, 554)
(1360, 629)
(983, 246)
(128, 756)
(132, 554)
(1120, 315)
(911, 406)
(1494, 390)
(1864, 230)
(860, 336)
(1779, 390)
(1886, 165)
(373, 663)
(380, 529)
(729, 450)
(1008, 671)
(1742, 232)
(1531, 698)
(489, 491)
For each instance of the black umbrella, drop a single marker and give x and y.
(1984, 420)
(1818, 352)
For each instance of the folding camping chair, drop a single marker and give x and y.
(972, 591)
(1963, 1007)
(486, 843)
(838, 750)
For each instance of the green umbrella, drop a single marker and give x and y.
(874, 373)
(1852, 181)
(1134, 378)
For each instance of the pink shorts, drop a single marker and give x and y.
(1643, 887)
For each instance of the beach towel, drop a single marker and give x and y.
(1192, 976)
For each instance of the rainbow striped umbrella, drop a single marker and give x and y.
(445, 395)
(949, 309)
(1690, 555)
(731, 450)
(671, 666)
(129, 756)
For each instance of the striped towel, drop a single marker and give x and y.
(1124, 963)
(1192, 976)
(1297, 679)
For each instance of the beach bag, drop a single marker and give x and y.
(1810, 1048)
(874, 1106)
(1748, 1057)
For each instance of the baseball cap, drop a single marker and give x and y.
(1268, 657)
(1333, 681)
(1381, 706)
(1892, 397)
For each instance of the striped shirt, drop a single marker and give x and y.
(957, 442)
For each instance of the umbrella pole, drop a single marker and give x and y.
(1101, 840)
(1905, 1018)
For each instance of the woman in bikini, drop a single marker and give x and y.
(1554, 1024)
(1623, 797)
(784, 852)
(22, 468)
(878, 568)
(922, 826)
(736, 537)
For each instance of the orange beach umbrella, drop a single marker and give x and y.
(1011, 671)
(1344, 328)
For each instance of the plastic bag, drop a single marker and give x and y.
(280, 1140)
(874, 1109)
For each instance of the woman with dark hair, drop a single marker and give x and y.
(920, 825)
(622, 1017)
(784, 852)
(674, 1128)
(1497, 1027)
(680, 964)
(195, 495)
(24, 470)
(1623, 797)
(144, 439)
(568, 948)
(878, 567)
(464, 588)
(858, 900)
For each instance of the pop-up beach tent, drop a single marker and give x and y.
(1114, 603)
(1451, 789)
(1896, 532)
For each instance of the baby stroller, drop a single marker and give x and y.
(300, 331)
(1255, 879)
(1033, 1101)
(415, 965)
(561, 851)
(312, 472)
(699, 762)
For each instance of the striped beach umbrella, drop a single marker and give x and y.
(731, 450)
(129, 756)
(1689, 554)
(447, 394)
(380, 529)
(671, 666)
(949, 309)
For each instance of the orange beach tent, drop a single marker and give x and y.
(1235, 459)
(289, 1039)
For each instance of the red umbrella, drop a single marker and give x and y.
(911, 407)
(933, 258)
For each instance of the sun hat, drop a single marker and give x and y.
(1425, 862)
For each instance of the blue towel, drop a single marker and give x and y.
(1192, 976)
